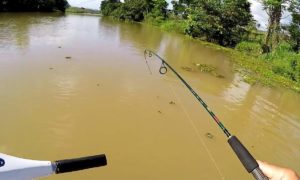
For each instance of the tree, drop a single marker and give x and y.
(275, 9)
(180, 7)
(220, 21)
(294, 30)
(61, 5)
(107, 7)
(159, 8)
(135, 9)
(33, 5)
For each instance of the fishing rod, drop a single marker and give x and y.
(240, 150)
(13, 168)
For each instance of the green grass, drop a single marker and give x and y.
(174, 25)
(251, 48)
(261, 69)
(170, 25)
(281, 67)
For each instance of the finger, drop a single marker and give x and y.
(269, 170)
(275, 172)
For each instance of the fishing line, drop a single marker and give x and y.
(197, 132)
(163, 70)
(148, 66)
(239, 149)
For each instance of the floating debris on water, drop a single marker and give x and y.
(189, 69)
(171, 102)
(209, 135)
(206, 68)
(51, 68)
(159, 112)
(59, 46)
(98, 84)
(68, 57)
(220, 76)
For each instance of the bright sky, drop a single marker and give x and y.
(259, 15)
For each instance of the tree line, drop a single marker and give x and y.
(33, 5)
(226, 22)
(220, 21)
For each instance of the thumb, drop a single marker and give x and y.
(269, 170)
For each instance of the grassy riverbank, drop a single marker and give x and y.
(273, 69)
(278, 68)
(269, 58)
(269, 70)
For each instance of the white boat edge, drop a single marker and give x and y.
(14, 168)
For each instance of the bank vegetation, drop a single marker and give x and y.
(269, 57)
(33, 5)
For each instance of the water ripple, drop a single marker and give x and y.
(65, 88)
(237, 91)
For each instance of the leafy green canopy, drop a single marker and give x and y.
(135, 10)
(108, 7)
(275, 10)
(294, 30)
(180, 7)
(33, 5)
(220, 21)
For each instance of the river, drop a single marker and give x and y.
(75, 85)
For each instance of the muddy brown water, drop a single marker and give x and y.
(73, 85)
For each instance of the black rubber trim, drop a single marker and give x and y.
(69, 165)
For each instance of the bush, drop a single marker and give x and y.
(251, 48)
(284, 62)
(174, 25)
(222, 22)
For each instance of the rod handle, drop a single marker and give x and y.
(246, 158)
(258, 174)
(69, 165)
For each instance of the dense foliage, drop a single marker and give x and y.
(220, 21)
(294, 30)
(33, 5)
(108, 7)
(275, 10)
(180, 7)
(223, 22)
(135, 10)
(284, 61)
